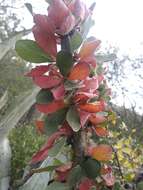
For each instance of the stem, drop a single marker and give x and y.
(65, 43)
(118, 163)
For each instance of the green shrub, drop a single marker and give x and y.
(24, 141)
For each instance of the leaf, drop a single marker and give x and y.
(44, 97)
(88, 48)
(73, 119)
(46, 169)
(47, 81)
(52, 121)
(79, 72)
(51, 107)
(38, 71)
(64, 62)
(86, 26)
(58, 92)
(97, 119)
(86, 184)
(71, 85)
(75, 41)
(29, 7)
(102, 152)
(101, 131)
(91, 167)
(140, 186)
(57, 148)
(30, 51)
(105, 58)
(75, 176)
(43, 152)
(58, 186)
(45, 41)
(40, 126)
(92, 107)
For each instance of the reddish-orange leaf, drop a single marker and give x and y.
(43, 152)
(79, 72)
(97, 119)
(101, 131)
(89, 48)
(40, 126)
(92, 107)
(47, 81)
(51, 107)
(102, 152)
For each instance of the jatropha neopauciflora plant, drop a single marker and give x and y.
(73, 98)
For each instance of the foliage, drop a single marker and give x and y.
(74, 81)
(24, 141)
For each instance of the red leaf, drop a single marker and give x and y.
(63, 172)
(51, 107)
(79, 72)
(83, 117)
(58, 11)
(38, 71)
(46, 41)
(90, 84)
(44, 23)
(40, 126)
(43, 152)
(47, 81)
(92, 107)
(86, 184)
(89, 48)
(67, 25)
(58, 92)
(78, 9)
(97, 119)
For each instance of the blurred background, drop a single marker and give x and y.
(119, 25)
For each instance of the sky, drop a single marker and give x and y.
(118, 23)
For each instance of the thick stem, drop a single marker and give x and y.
(65, 43)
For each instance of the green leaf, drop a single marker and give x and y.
(44, 96)
(64, 62)
(57, 148)
(75, 175)
(91, 167)
(30, 51)
(105, 58)
(140, 186)
(71, 85)
(75, 41)
(117, 186)
(45, 169)
(52, 121)
(89, 22)
(73, 119)
(58, 186)
(29, 7)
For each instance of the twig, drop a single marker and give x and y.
(118, 163)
